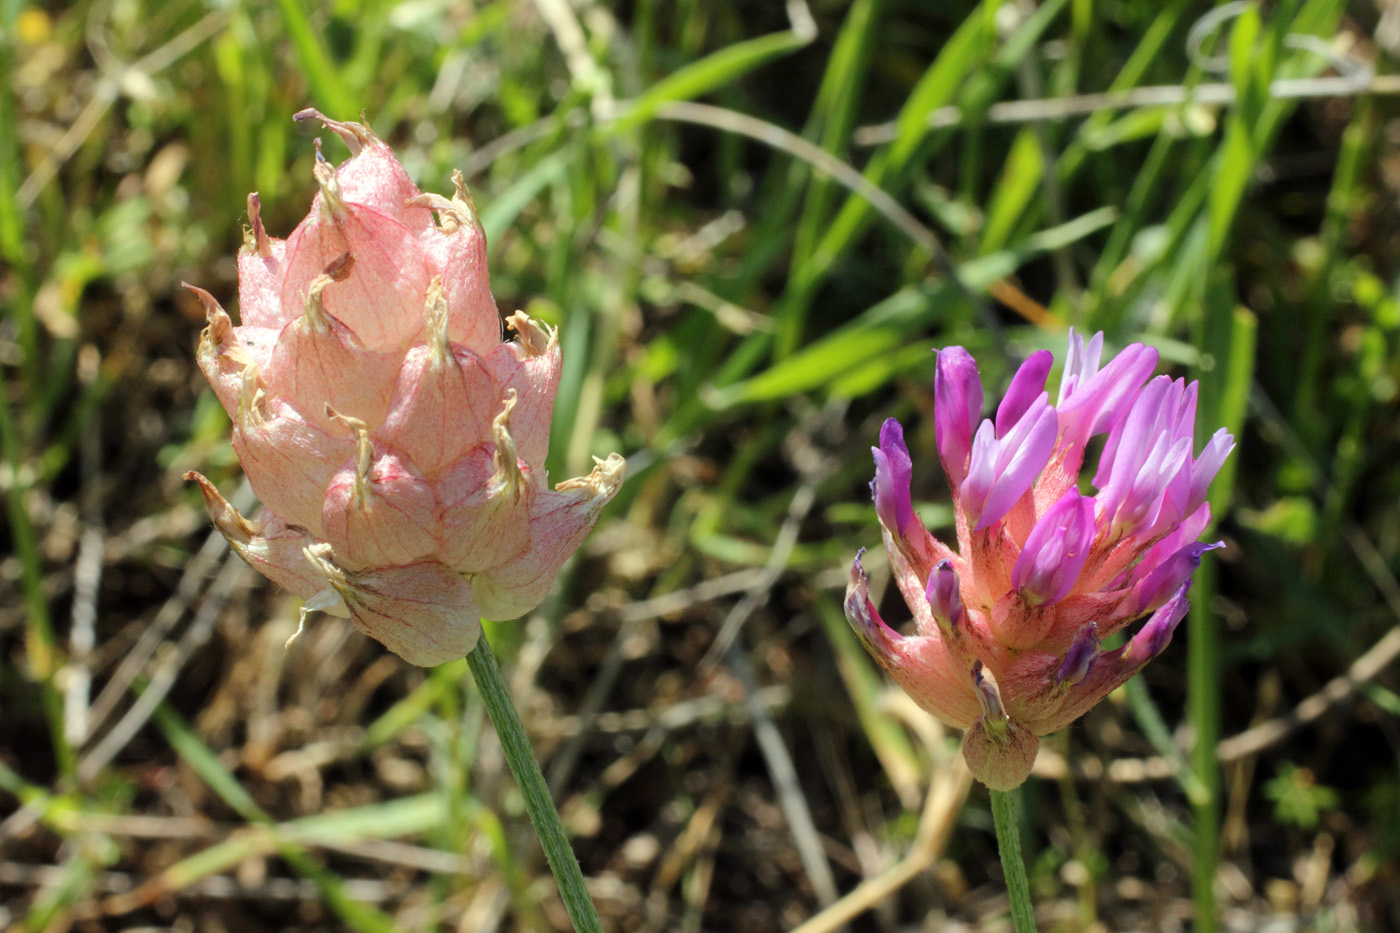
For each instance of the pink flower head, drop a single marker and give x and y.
(397, 444)
(1009, 626)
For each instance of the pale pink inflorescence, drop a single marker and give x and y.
(397, 444)
(1009, 626)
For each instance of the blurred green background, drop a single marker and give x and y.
(751, 222)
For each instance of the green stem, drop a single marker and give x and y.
(562, 861)
(1013, 865)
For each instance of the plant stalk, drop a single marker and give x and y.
(538, 803)
(1013, 864)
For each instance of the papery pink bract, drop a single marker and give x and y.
(396, 443)
(1009, 627)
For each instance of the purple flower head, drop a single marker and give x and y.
(943, 597)
(957, 404)
(1001, 469)
(1041, 573)
(1080, 659)
(893, 473)
(1055, 551)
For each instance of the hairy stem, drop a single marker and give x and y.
(1013, 865)
(562, 861)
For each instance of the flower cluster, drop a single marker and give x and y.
(396, 442)
(1009, 627)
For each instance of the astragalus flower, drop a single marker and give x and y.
(1008, 628)
(397, 444)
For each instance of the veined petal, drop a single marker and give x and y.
(529, 366)
(422, 612)
(318, 362)
(444, 398)
(288, 460)
(260, 275)
(382, 303)
(559, 522)
(487, 503)
(372, 176)
(378, 510)
(269, 545)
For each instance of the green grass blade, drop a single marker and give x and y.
(331, 94)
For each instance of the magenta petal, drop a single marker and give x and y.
(893, 473)
(1207, 465)
(1025, 388)
(1080, 659)
(1169, 576)
(1055, 551)
(957, 404)
(1092, 400)
(1000, 470)
(944, 599)
(1152, 639)
(1190, 529)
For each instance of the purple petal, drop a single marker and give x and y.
(1001, 470)
(1145, 472)
(1092, 401)
(944, 598)
(1055, 551)
(957, 404)
(1083, 654)
(893, 474)
(1207, 465)
(1185, 533)
(1153, 638)
(1025, 388)
(1135, 431)
(1081, 363)
(1168, 576)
